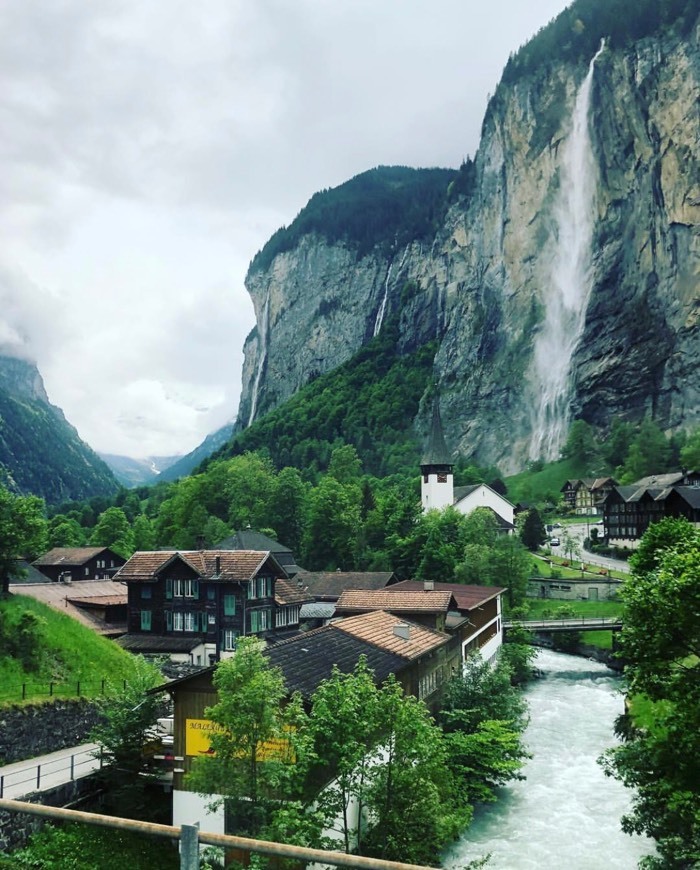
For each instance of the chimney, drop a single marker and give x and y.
(428, 586)
(199, 542)
(401, 629)
(217, 562)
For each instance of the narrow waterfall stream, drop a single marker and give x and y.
(569, 284)
(566, 813)
(262, 350)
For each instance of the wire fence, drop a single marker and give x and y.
(57, 689)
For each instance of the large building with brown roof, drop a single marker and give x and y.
(209, 596)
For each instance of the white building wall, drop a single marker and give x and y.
(434, 495)
(190, 808)
(484, 496)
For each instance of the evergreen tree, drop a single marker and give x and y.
(533, 532)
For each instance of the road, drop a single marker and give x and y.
(579, 531)
(38, 774)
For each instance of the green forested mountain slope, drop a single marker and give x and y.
(42, 454)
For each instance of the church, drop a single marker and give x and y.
(437, 482)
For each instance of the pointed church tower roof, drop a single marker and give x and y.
(436, 452)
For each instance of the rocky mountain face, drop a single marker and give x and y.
(40, 452)
(562, 279)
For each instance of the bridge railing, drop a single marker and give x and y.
(35, 776)
(573, 623)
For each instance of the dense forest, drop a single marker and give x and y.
(389, 205)
(575, 34)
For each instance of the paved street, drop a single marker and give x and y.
(37, 774)
(579, 531)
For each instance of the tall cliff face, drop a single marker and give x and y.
(576, 247)
(40, 452)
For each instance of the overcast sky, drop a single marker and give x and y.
(150, 147)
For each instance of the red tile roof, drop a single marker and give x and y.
(379, 628)
(467, 596)
(408, 602)
(288, 592)
(231, 564)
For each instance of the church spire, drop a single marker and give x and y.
(436, 452)
(437, 483)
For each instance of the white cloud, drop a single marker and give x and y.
(150, 149)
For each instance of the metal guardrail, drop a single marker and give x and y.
(33, 776)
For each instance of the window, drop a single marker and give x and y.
(287, 615)
(442, 478)
(211, 593)
(87, 572)
(229, 605)
(145, 620)
(146, 592)
(178, 621)
(260, 587)
(228, 639)
(427, 684)
(259, 620)
(183, 588)
(190, 622)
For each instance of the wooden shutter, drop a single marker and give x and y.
(169, 588)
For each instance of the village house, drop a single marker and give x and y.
(97, 604)
(586, 497)
(194, 605)
(65, 564)
(628, 511)
(420, 658)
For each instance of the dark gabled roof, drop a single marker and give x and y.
(436, 452)
(290, 593)
(307, 660)
(461, 491)
(223, 565)
(689, 494)
(66, 556)
(157, 643)
(317, 610)
(249, 539)
(331, 584)
(467, 596)
(29, 574)
(354, 600)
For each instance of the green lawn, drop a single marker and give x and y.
(541, 607)
(71, 654)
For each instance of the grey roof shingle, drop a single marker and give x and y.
(331, 584)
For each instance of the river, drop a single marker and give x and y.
(566, 813)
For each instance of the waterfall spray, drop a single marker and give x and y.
(570, 282)
(382, 308)
(262, 349)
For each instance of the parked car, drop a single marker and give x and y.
(554, 542)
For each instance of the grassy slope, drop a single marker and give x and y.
(539, 485)
(72, 653)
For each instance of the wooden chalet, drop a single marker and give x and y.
(65, 564)
(209, 596)
(420, 658)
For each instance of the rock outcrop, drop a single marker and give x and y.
(483, 281)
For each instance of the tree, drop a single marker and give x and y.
(649, 453)
(533, 532)
(144, 533)
(23, 532)
(580, 443)
(345, 465)
(690, 452)
(259, 751)
(129, 715)
(661, 644)
(412, 797)
(667, 533)
(64, 531)
(333, 520)
(570, 545)
(114, 531)
(617, 444)
(345, 727)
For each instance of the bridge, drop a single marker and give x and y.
(576, 623)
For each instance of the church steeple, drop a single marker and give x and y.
(437, 483)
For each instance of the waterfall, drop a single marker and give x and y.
(262, 350)
(570, 282)
(382, 308)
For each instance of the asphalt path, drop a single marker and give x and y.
(23, 778)
(579, 531)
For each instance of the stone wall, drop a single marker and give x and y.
(37, 729)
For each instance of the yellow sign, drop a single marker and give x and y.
(198, 741)
(198, 736)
